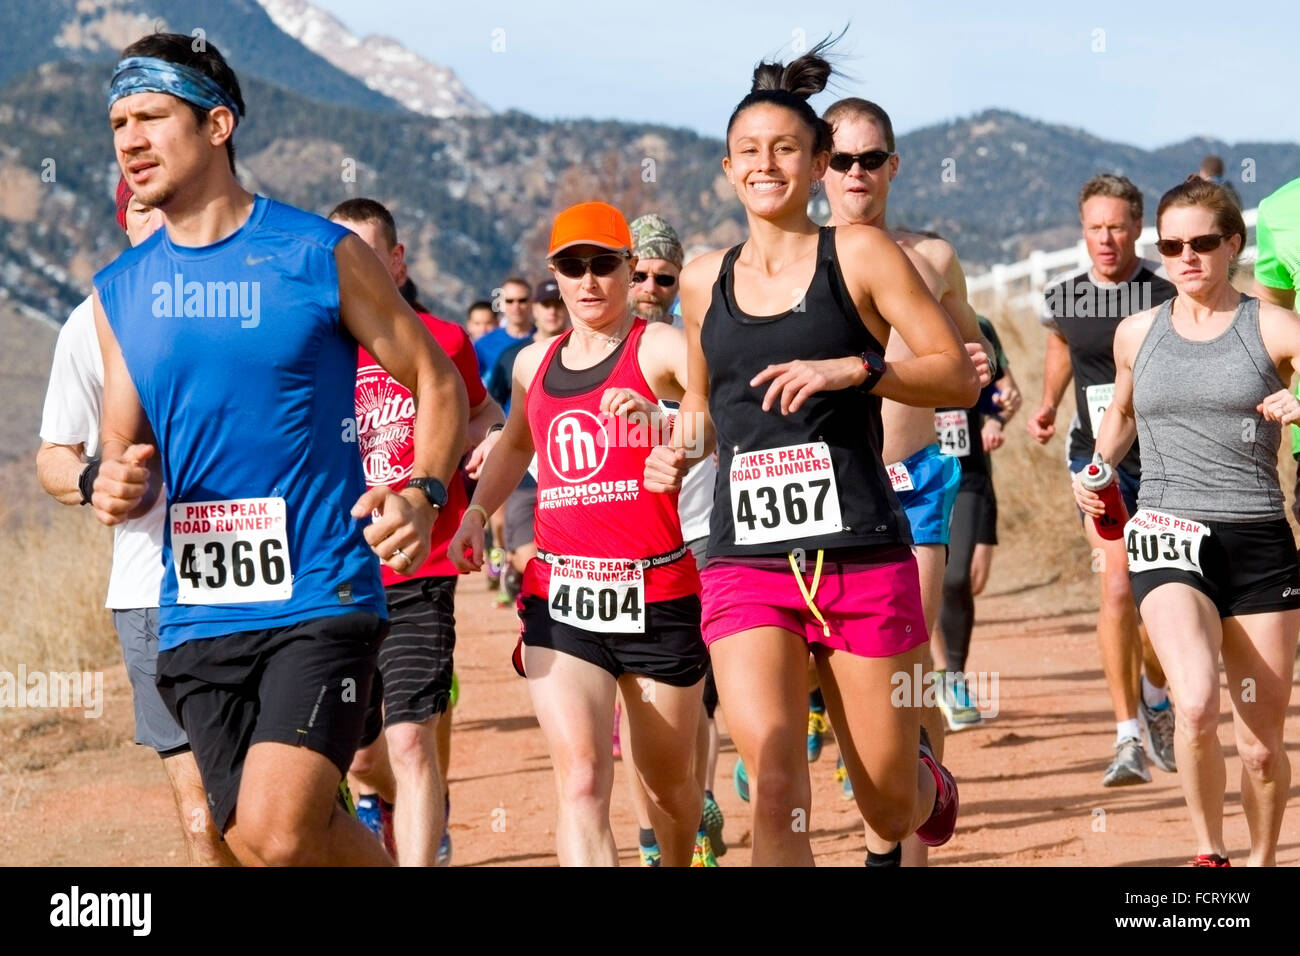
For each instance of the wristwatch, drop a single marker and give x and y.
(433, 489)
(874, 365)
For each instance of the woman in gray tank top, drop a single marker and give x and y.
(1202, 382)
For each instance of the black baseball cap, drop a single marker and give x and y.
(548, 291)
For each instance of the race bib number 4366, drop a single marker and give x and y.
(231, 552)
(783, 493)
(1158, 540)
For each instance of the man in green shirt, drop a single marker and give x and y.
(1277, 275)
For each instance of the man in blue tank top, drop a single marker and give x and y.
(230, 341)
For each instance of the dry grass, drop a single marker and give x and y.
(54, 564)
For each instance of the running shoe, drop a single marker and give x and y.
(1210, 859)
(617, 741)
(713, 825)
(703, 855)
(817, 727)
(496, 561)
(842, 778)
(649, 855)
(741, 780)
(1159, 726)
(955, 703)
(455, 691)
(939, 826)
(1129, 766)
(444, 850)
(367, 805)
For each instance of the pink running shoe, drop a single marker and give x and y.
(938, 828)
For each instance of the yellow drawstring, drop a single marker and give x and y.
(809, 594)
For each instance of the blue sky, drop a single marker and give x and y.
(1143, 73)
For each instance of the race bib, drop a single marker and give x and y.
(953, 432)
(1098, 398)
(231, 552)
(783, 493)
(606, 595)
(900, 479)
(1157, 540)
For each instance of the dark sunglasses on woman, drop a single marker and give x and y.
(575, 267)
(1174, 247)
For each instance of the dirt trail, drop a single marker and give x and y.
(77, 791)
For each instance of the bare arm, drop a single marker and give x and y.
(504, 468)
(1119, 424)
(129, 471)
(1284, 298)
(481, 419)
(1057, 373)
(59, 468)
(954, 301)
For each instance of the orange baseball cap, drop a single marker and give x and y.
(591, 223)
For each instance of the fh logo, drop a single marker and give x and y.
(576, 445)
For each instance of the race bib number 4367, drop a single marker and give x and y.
(783, 493)
(231, 552)
(1158, 540)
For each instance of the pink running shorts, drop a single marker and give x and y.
(873, 608)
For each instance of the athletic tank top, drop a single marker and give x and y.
(247, 376)
(814, 478)
(590, 502)
(1206, 453)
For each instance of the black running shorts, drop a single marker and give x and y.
(306, 684)
(671, 650)
(1246, 569)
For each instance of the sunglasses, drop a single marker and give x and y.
(523, 301)
(1174, 247)
(662, 279)
(575, 267)
(872, 159)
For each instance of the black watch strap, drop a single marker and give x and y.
(434, 490)
(86, 481)
(874, 365)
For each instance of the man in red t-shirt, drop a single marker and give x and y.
(415, 660)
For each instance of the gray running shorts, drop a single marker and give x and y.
(137, 630)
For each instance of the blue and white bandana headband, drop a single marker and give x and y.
(148, 74)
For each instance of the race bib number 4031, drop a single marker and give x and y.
(606, 595)
(231, 552)
(1157, 540)
(783, 493)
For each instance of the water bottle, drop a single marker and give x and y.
(1099, 478)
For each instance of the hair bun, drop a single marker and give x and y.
(803, 77)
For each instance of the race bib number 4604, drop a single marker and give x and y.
(953, 432)
(783, 493)
(231, 552)
(606, 595)
(1157, 540)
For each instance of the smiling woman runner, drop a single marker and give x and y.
(1210, 553)
(612, 599)
(808, 544)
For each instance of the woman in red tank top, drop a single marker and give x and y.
(612, 599)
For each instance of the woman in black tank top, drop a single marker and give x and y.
(785, 336)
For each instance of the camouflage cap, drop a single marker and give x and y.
(653, 238)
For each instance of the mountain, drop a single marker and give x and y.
(1013, 182)
(33, 32)
(382, 64)
(474, 196)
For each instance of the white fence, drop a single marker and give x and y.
(1021, 284)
